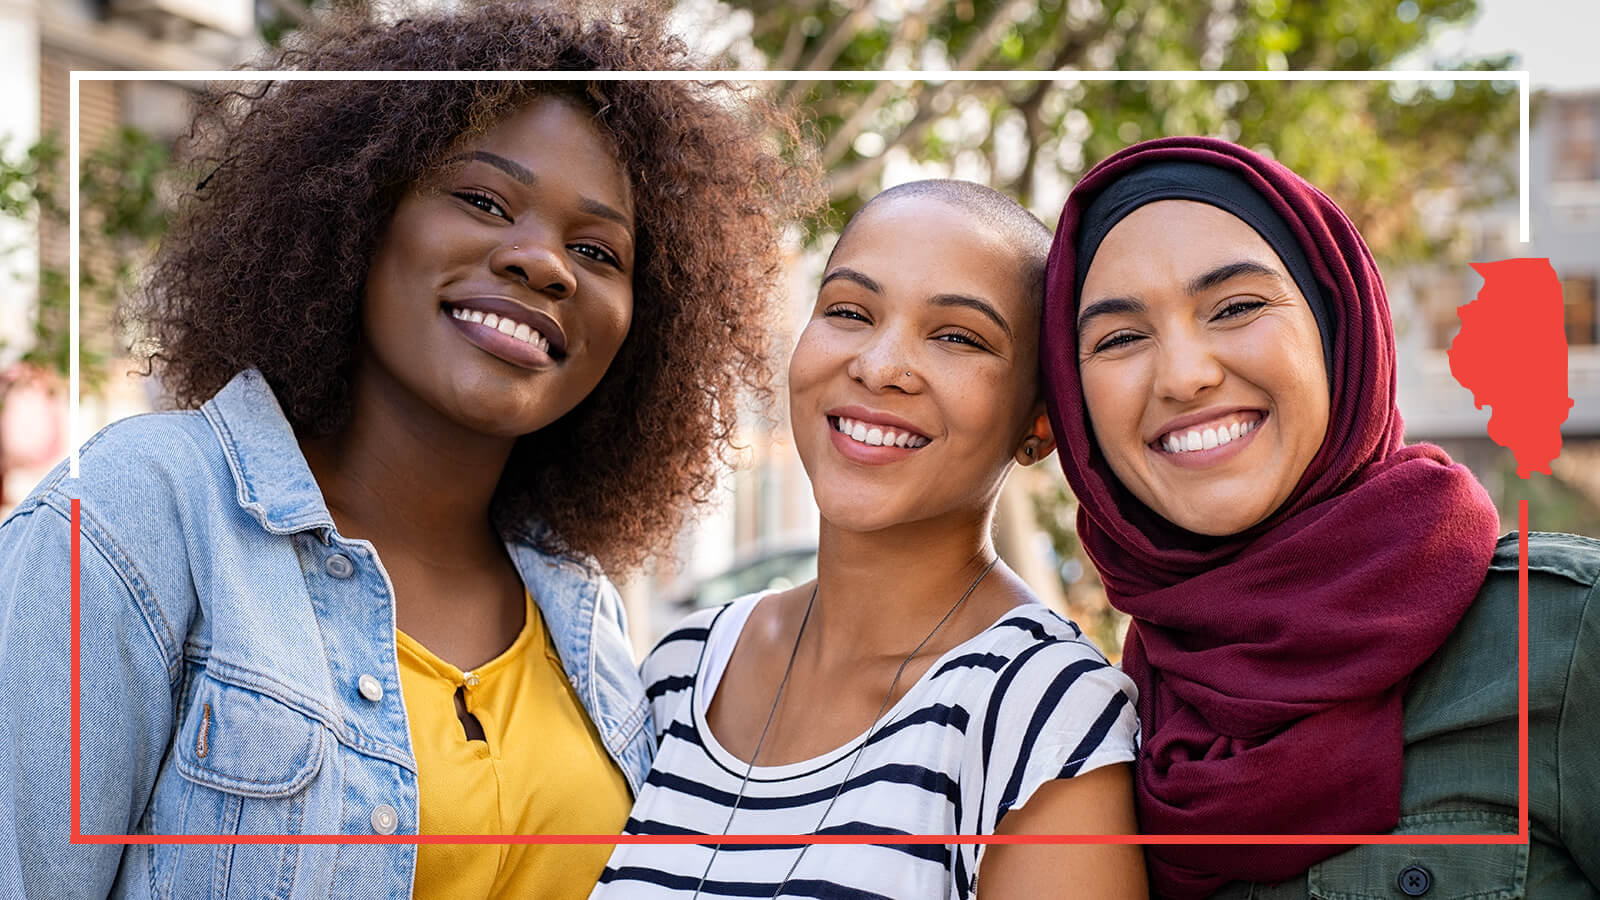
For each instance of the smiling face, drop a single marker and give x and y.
(503, 286)
(917, 286)
(1202, 366)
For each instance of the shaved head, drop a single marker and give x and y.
(1022, 230)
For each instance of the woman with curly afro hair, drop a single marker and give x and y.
(441, 351)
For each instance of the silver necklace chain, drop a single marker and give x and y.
(855, 757)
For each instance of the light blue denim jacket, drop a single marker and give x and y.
(227, 628)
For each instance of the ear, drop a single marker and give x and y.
(1039, 442)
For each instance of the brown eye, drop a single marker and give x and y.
(1120, 339)
(482, 202)
(1239, 308)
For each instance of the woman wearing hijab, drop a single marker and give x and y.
(1324, 629)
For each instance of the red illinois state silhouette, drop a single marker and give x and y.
(1511, 353)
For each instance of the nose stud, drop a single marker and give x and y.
(515, 247)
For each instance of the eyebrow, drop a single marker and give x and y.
(851, 275)
(957, 300)
(1110, 306)
(524, 176)
(1229, 271)
(1226, 272)
(962, 300)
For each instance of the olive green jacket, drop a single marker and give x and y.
(1461, 749)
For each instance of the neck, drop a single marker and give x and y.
(880, 592)
(402, 475)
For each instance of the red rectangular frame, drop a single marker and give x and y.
(1521, 837)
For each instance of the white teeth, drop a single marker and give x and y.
(508, 327)
(877, 436)
(1206, 439)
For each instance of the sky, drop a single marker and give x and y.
(1555, 40)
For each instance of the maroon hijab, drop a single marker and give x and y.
(1271, 664)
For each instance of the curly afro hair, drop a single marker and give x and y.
(265, 264)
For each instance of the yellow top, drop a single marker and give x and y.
(555, 778)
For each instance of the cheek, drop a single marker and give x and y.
(808, 360)
(1113, 398)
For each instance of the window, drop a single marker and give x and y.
(1578, 296)
(1577, 144)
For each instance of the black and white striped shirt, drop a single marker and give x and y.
(1023, 702)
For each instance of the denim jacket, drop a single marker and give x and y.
(238, 669)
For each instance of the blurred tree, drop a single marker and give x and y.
(123, 206)
(1367, 143)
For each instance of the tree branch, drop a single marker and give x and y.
(839, 144)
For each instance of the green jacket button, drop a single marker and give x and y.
(1415, 881)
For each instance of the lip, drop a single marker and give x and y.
(505, 307)
(1201, 459)
(873, 417)
(866, 454)
(1189, 420)
(501, 346)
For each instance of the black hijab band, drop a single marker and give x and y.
(1185, 180)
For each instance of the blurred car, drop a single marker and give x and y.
(770, 568)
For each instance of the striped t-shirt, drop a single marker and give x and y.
(1023, 702)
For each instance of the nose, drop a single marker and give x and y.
(884, 362)
(1187, 366)
(536, 261)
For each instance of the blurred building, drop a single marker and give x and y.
(41, 43)
(1564, 225)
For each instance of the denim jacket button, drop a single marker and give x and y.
(370, 688)
(340, 566)
(385, 820)
(1415, 881)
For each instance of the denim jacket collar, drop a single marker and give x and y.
(274, 482)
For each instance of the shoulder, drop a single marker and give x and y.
(1052, 685)
(142, 483)
(671, 664)
(1054, 709)
(139, 461)
(1563, 571)
(1572, 557)
(1033, 645)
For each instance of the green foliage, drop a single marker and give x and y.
(122, 214)
(1373, 145)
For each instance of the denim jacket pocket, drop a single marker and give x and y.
(244, 742)
(243, 763)
(1429, 871)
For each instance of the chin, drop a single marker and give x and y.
(856, 510)
(1192, 519)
